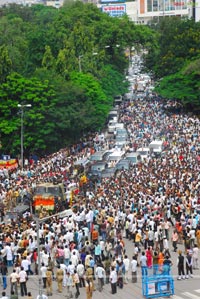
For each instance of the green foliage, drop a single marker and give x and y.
(176, 60)
(41, 49)
(184, 86)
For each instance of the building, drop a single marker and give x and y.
(139, 11)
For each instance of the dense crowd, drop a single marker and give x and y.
(154, 203)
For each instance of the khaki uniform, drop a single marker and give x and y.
(49, 282)
(59, 277)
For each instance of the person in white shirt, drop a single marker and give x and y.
(66, 255)
(100, 273)
(127, 265)
(81, 271)
(134, 269)
(113, 280)
(74, 259)
(14, 277)
(22, 280)
(25, 264)
(43, 271)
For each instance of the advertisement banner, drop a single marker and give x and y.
(10, 164)
(114, 10)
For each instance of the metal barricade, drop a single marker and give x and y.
(157, 281)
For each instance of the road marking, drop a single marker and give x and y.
(176, 297)
(192, 296)
(198, 291)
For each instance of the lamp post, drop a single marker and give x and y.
(79, 60)
(22, 106)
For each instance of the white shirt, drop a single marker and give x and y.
(126, 264)
(113, 276)
(25, 263)
(22, 276)
(133, 265)
(100, 272)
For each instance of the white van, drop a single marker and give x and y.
(143, 152)
(116, 156)
(156, 146)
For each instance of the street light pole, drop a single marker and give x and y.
(22, 131)
(79, 63)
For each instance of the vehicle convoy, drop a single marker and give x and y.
(48, 196)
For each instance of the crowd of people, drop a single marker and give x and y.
(155, 205)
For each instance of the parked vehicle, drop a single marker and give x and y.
(143, 152)
(133, 157)
(156, 146)
(116, 156)
(123, 164)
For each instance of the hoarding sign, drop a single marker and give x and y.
(114, 10)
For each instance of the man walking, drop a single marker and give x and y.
(59, 277)
(14, 277)
(22, 281)
(100, 274)
(113, 280)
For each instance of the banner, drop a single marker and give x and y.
(114, 10)
(10, 164)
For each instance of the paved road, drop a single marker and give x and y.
(184, 289)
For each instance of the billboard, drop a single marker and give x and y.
(115, 10)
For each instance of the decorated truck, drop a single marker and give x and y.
(47, 196)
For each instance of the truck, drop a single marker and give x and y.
(47, 195)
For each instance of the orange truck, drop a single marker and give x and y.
(45, 195)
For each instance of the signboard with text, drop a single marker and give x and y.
(114, 10)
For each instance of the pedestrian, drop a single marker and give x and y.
(59, 278)
(149, 256)
(107, 265)
(100, 274)
(113, 280)
(195, 257)
(180, 265)
(127, 265)
(76, 281)
(88, 288)
(69, 285)
(174, 238)
(4, 272)
(14, 278)
(81, 272)
(188, 264)
(22, 280)
(134, 269)
(120, 268)
(49, 280)
(43, 271)
(143, 263)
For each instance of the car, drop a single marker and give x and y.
(116, 156)
(132, 157)
(143, 152)
(123, 164)
(97, 156)
(97, 168)
(108, 172)
(156, 146)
